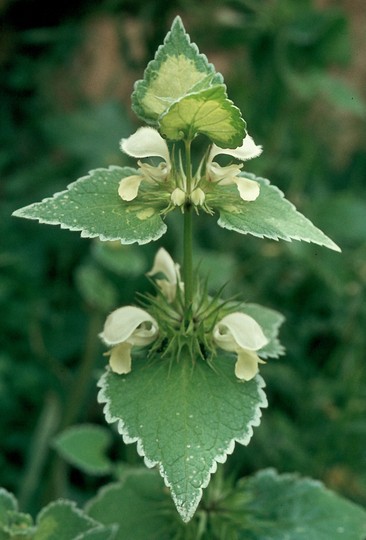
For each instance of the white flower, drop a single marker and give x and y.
(198, 197)
(248, 189)
(124, 328)
(241, 334)
(145, 142)
(164, 264)
(178, 197)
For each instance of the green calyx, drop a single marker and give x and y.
(181, 331)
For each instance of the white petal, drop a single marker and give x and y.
(198, 196)
(154, 174)
(144, 334)
(129, 187)
(239, 331)
(169, 290)
(246, 366)
(178, 197)
(247, 150)
(120, 358)
(225, 175)
(146, 142)
(164, 263)
(123, 325)
(249, 189)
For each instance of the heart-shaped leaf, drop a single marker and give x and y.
(184, 417)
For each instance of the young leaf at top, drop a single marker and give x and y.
(178, 69)
(185, 418)
(209, 112)
(270, 215)
(92, 205)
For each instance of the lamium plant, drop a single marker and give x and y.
(182, 365)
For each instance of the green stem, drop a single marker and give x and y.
(188, 261)
(187, 239)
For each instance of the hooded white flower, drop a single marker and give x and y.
(241, 334)
(145, 142)
(164, 264)
(124, 328)
(248, 189)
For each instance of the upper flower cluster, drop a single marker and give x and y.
(147, 142)
(130, 326)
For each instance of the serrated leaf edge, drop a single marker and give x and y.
(66, 503)
(21, 212)
(151, 66)
(327, 243)
(276, 327)
(185, 513)
(11, 497)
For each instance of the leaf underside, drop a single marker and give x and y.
(92, 205)
(184, 418)
(271, 216)
(208, 112)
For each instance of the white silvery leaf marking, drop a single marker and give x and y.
(248, 189)
(124, 328)
(270, 215)
(92, 206)
(183, 419)
(240, 333)
(145, 142)
(164, 264)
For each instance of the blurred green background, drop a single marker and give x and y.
(296, 69)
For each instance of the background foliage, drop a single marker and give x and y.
(295, 69)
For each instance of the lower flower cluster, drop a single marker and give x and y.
(212, 325)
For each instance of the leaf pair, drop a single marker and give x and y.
(92, 205)
(182, 95)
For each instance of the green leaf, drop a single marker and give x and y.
(13, 524)
(286, 506)
(178, 69)
(186, 418)
(8, 503)
(270, 216)
(140, 493)
(62, 520)
(209, 112)
(122, 260)
(95, 288)
(270, 322)
(85, 447)
(92, 205)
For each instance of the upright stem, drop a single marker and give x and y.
(187, 260)
(187, 238)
